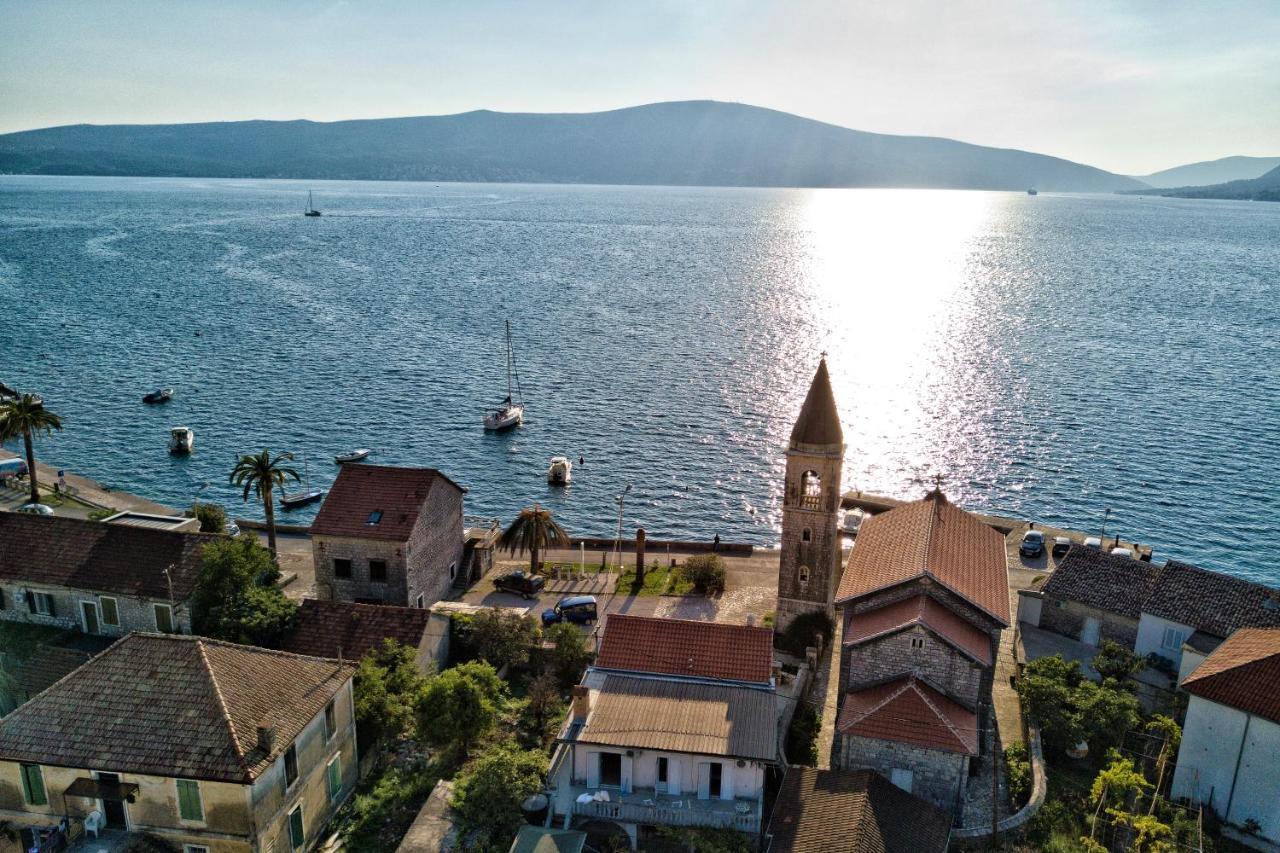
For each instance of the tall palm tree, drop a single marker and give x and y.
(25, 416)
(534, 530)
(261, 474)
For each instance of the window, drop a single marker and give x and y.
(377, 570)
(330, 723)
(189, 805)
(917, 642)
(164, 618)
(33, 785)
(422, 601)
(290, 766)
(806, 535)
(296, 834)
(611, 769)
(41, 603)
(810, 490)
(341, 568)
(1, 599)
(333, 774)
(1173, 639)
(375, 517)
(453, 571)
(804, 575)
(194, 848)
(110, 611)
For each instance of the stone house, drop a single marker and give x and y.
(922, 602)
(209, 745)
(1231, 736)
(676, 723)
(106, 579)
(1176, 611)
(346, 630)
(388, 535)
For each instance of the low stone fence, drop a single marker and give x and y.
(1015, 822)
(292, 529)
(653, 546)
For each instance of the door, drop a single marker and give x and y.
(89, 613)
(675, 776)
(1089, 633)
(113, 810)
(704, 781)
(660, 783)
(611, 769)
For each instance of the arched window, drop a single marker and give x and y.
(805, 536)
(810, 490)
(804, 575)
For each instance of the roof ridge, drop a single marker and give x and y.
(33, 701)
(222, 706)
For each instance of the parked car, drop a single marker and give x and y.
(1093, 542)
(520, 584)
(577, 609)
(1032, 544)
(35, 509)
(1061, 545)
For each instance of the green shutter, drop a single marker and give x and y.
(189, 805)
(296, 834)
(33, 785)
(110, 612)
(335, 777)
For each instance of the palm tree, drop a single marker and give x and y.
(261, 474)
(534, 530)
(25, 416)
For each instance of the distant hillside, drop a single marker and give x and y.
(1211, 172)
(1265, 188)
(682, 143)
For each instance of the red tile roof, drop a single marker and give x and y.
(931, 538)
(1243, 672)
(329, 628)
(909, 711)
(360, 490)
(689, 648)
(920, 610)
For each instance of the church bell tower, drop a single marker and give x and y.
(809, 568)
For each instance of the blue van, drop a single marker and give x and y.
(576, 609)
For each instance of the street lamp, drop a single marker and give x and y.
(195, 504)
(1105, 515)
(617, 540)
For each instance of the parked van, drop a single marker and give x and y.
(12, 468)
(577, 609)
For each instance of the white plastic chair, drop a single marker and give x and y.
(94, 822)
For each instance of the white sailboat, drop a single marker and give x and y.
(304, 497)
(311, 207)
(511, 412)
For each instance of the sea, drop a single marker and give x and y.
(1097, 362)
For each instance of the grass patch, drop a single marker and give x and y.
(380, 811)
(659, 580)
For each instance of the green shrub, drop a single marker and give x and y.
(803, 631)
(236, 597)
(379, 814)
(802, 738)
(570, 656)
(1018, 773)
(489, 793)
(705, 572)
(460, 706)
(387, 689)
(213, 518)
(1115, 661)
(100, 514)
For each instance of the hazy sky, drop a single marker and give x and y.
(1127, 85)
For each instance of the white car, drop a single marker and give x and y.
(35, 509)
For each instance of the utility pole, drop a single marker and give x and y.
(995, 780)
(1106, 514)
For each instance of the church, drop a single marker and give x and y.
(920, 604)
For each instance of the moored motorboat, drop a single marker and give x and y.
(852, 522)
(1033, 191)
(160, 395)
(560, 473)
(181, 440)
(353, 456)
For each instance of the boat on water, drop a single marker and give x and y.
(852, 522)
(308, 495)
(311, 208)
(181, 440)
(1033, 191)
(353, 456)
(160, 395)
(560, 472)
(511, 412)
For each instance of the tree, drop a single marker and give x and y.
(542, 705)
(261, 474)
(570, 654)
(490, 790)
(460, 705)
(237, 598)
(534, 530)
(705, 572)
(1170, 734)
(1047, 687)
(387, 689)
(1115, 661)
(213, 518)
(25, 416)
(1106, 712)
(501, 637)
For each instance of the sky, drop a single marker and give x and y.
(1131, 86)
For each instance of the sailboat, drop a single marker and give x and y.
(304, 497)
(311, 207)
(511, 412)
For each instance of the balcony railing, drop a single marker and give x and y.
(719, 814)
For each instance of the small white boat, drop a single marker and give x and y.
(510, 413)
(561, 471)
(181, 440)
(852, 522)
(353, 456)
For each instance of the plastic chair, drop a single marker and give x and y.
(94, 822)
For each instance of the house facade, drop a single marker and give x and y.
(676, 724)
(389, 535)
(1231, 736)
(922, 602)
(104, 579)
(344, 629)
(222, 748)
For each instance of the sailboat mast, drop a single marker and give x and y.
(508, 361)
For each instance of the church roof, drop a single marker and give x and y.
(819, 422)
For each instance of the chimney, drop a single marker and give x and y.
(751, 620)
(581, 703)
(266, 738)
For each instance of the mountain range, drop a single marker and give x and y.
(1264, 188)
(676, 143)
(1211, 172)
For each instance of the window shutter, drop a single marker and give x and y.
(335, 777)
(189, 805)
(31, 601)
(48, 599)
(33, 785)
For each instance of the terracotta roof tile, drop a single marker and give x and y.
(909, 711)
(1092, 576)
(853, 811)
(89, 555)
(1243, 672)
(172, 705)
(688, 648)
(920, 610)
(395, 493)
(819, 422)
(326, 628)
(930, 538)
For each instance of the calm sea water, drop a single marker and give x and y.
(1051, 357)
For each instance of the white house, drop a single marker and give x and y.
(676, 724)
(1231, 737)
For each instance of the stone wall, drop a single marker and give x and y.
(359, 586)
(938, 663)
(434, 553)
(1066, 617)
(937, 776)
(809, 562)
(134, 614)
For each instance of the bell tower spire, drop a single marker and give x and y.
(809, 565)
